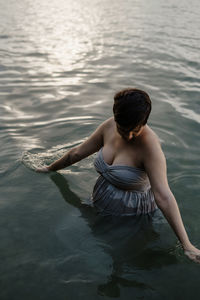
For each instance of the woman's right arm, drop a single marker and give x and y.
(90, 146)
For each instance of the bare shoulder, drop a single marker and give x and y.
(103, 126)
(150, 141)
(154, 162)
(106, 125)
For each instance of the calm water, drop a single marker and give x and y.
(61, 62)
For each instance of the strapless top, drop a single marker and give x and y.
(121, 190)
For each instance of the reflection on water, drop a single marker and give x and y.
(60, 64)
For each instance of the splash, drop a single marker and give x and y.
(40, 159)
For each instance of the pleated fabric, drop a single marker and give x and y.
(121, 190)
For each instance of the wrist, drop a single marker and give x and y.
(187, 246)
(51, 168)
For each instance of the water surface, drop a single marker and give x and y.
(60, 64)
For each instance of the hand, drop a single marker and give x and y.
(193, 253)
(43, 170)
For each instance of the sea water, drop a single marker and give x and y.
(61, 62)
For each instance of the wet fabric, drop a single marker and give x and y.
(121, 190)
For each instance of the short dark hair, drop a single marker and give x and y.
(131, 107)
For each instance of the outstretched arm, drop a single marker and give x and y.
(155, 166)
(90, 146)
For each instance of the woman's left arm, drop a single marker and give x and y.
(155, 166)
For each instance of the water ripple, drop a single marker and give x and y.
(60, 64)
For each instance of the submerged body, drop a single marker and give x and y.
(132, 166)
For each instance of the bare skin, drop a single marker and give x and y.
(139, 148)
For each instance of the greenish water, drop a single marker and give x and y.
(60, 65)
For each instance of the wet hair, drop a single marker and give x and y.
(131, 108)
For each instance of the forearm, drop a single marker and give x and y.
(171, 212)
(70, 158)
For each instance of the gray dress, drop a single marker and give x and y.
(121, 190)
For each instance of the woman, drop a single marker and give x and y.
(132, 166)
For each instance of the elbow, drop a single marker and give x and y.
(75, 155)
(162, 203)
(163, 199)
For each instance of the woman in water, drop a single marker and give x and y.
(133, 176)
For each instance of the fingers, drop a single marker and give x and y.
(196, 259)
(193, 256)
(42, 170)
